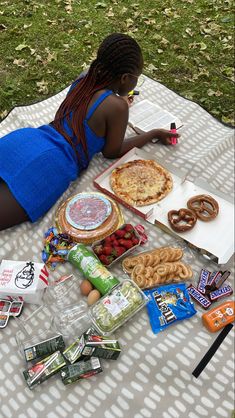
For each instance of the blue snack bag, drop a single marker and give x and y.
(168, 304)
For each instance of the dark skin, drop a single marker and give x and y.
(109, 121)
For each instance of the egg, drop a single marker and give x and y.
(93, 296)
(85, 287)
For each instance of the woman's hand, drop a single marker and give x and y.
(165, 136)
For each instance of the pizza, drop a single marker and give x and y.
(141, 182)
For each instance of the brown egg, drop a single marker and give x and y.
(85, 287)
(93, 296)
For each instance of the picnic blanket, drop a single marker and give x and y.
(153, 375)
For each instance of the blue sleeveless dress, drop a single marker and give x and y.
(38, 164)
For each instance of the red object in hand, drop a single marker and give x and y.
(174, 139)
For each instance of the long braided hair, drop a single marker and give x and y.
(118, 54)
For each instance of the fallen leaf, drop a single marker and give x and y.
(211, 92)
(100, 5)
(20, 62)
(203, 46)
(20, 47)
(43, 86)
(27, 26)
(189, 31)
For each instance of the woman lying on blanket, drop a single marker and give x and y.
(38, 164)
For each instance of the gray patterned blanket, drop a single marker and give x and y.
(153, 375)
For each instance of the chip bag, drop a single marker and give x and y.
(168, 304)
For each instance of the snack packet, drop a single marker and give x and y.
(168, 304)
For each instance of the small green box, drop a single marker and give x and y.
(81, 370)
(44, 369)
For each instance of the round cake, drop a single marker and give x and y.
(88, 217)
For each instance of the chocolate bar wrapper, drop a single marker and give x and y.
(82, 369)
(221, 279)
(44, 348)
(44, 369)
(221, 293)
(199, 297)
(203, 279)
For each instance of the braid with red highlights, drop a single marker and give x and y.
(118, 54)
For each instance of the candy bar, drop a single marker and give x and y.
(221, 279)
(213, 277)
(199, 297)
(204, 276)
(220, 293)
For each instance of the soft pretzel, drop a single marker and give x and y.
(182, 220)
(205, 207)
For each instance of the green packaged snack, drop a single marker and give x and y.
(101, 347)
(80, 370)
(74, 351)
(86, 261)
(114, 309)
(44, 348)
(44, 369)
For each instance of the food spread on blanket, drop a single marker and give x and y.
(88, 217)
(156, 280)
(141, 182)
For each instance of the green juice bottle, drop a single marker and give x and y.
(99, 276)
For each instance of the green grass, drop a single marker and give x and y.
(187, 46)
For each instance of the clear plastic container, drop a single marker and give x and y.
(63, 292)
(142, 268)
(116, 308)
(72, 321)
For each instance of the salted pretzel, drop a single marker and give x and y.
(182, 220)
(205, 207)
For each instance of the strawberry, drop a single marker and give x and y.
(112, 237)
(127, 235)
(120, 233)
(106, 259)
(118, 251)
(107, 240)
(122, 242)
(98, 249)
(129, 228)
(127, 243)
(115, 243)
(135, 241)
(107, 249)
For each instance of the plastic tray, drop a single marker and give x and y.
(127, 252)
(116, 308)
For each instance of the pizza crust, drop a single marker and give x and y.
(141, 182)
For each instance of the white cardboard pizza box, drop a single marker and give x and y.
(214, 238)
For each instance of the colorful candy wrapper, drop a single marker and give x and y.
(168, 304)
(56, 247)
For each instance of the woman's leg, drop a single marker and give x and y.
(11, 213)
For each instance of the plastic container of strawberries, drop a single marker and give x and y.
(117, 245)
